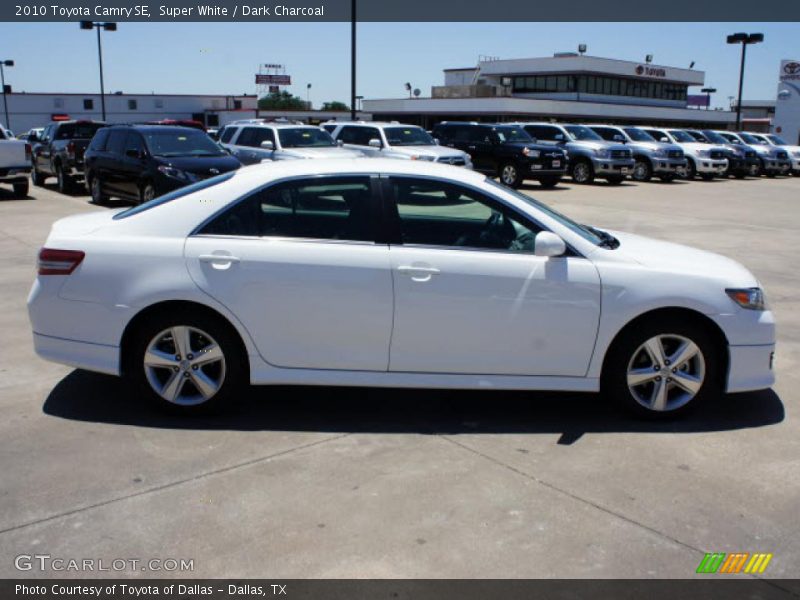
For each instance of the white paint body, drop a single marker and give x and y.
(355, 313)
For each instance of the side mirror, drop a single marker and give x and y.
(548, 244)
(339, 143)
(619, 138)
(267, 145)
(375, 143)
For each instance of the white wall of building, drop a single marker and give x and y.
(787, 107)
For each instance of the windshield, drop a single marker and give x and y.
(582, 134)
(512, 134)
(77, 131)
(408, 136)
(639, 135)
(777, 140)
(698, 137)
(186, 142)
(305, 137)
(582, 230)
(715, 138)
(681, 136)
(751, 139)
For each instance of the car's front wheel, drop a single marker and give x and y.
(582, 172)
(662, 368)
(146, 192)
(187, 362)
(642, 170)
(510, 175)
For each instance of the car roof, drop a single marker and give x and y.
(143, 127)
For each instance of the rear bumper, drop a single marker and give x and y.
(82, 355)
(15, 174)
(751, 368)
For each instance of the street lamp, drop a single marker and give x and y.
(744, 39)
(107, 27)
(353, 21)
(308, 95)
(708, 91)
(5, 63)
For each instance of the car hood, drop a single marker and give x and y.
(437, 151)
(653, 146)
(597, 145)
(332, 152)
(202, 165)
(678, 258)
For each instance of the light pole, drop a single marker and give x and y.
(308, 95)
(5, 63)
(352, 60)
(708, 91)
(744, 39)
(107, 27)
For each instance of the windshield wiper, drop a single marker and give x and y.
(607, 240)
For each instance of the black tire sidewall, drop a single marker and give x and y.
(235, 360)
(614, 378)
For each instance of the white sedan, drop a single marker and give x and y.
(378, 272)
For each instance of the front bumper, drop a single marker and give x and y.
(750, 368)
(612, 166)
(711, 165)
(675, 166)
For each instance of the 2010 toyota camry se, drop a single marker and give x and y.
(376, 272)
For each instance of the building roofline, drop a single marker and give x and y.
(149, 94)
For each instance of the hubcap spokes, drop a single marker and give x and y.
(666, 372)
(184, 365)
(509, 174)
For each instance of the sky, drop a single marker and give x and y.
(222, 58)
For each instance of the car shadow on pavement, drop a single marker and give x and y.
(85, 396)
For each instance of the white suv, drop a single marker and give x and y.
(397, 140)
(702, 159)
(254, 140)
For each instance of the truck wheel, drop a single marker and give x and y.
(757, 169)
(64, 180)
(549, 182)
(615, 180)
(21, 189)
(691, 169)
(582, 172)
(510, 175)
(96, 189)
(707, 176)
(642, 171)
(146, 192)
(667, 177)
(36, 177)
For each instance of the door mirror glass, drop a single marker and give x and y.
(375, 143)
(267, 145)
(549, 244)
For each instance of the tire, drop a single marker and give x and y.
(163, 373)
(582, 172)
(615, 180)
(37, 178)
(707, 176)
(642, 170)
(691, 169)
(667, 178)
(146, 192)
(549, 182)
(739, 175)
(64, 180)
(21, 189)
(96, 190)
(757, 170)
(510, 175)
(632, 356)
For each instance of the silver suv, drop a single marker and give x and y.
(396, 140)
(665, 161)
(254, 141)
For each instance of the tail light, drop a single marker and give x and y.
(71, 148)
(28, 152)
(59, 262)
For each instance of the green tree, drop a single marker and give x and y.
(282, 100)
(335, 105)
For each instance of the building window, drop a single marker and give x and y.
(602, 85)
(88, 104)
(132, 104)
(159, 102)
(237, 104)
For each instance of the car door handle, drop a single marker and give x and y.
(418, 273)
(220, 259)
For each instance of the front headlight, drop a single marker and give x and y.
(749, 298)
(602, 152)
(177, 173)
(704, 153)
(796, 153)
(660, 153)
(422, 157)
(530, 153)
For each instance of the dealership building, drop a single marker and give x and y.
(787, 107)
(565, 87)
(27, 110)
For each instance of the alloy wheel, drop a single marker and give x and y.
(581, 172)
(666, 372)
(184, 365)
(509, 175)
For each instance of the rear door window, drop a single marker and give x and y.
(116, 141)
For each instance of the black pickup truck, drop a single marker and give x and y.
(59, 152)
(504, 151)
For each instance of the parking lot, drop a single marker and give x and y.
(343, 482)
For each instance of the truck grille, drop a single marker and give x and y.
(621, 154)
(675, 153)
(458, 161)
(717, 154)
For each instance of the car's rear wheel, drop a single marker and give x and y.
(146, 192)
(37, 178)
(510, 175)
(662, 368)
(21, 189)
(187, 362)
(96, 189)
(64, 180)
(642, 171)
(691, 169)
(582, 172)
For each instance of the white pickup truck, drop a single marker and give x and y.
(15, 162)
